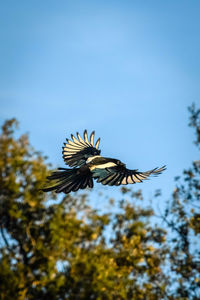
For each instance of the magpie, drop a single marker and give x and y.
(83, 156)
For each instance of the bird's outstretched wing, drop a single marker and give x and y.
(78, 150)
(120, 175)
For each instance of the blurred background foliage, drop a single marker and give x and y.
(66, 249)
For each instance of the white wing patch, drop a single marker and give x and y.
(103, 166)
(92, 158)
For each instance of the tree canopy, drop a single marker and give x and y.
(66, 249)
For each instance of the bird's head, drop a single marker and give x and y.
(93, 151)
(96, 152)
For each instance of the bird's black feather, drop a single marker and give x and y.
(78, 150)
(69, 180)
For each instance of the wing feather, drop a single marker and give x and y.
(86, 137)
(72, 147)
(120, 175)
(76, 141)
(108, 179)
(97, 143)
(114, 179)
(72, 143)
(77, 150)
(92, 138)
(80, 139)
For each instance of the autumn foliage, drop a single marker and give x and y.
(63, 248)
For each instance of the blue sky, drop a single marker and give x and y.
(128, 69)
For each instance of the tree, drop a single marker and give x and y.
(38, 238)
(65, 249)
(182, 217)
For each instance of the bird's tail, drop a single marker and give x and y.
(68, 180)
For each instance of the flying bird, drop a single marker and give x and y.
(83, 156)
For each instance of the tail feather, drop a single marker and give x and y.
(90, 183)
(68, 180)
